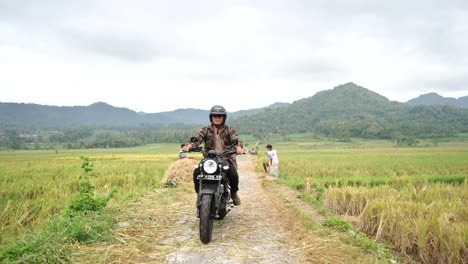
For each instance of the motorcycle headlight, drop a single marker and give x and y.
(210, 166)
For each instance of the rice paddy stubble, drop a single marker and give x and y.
(413, 197)
(36, 185)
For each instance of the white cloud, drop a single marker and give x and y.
(157, 56)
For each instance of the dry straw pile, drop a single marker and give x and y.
(180, 171)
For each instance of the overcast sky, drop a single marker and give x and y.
(155, 56)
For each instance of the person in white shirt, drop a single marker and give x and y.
(273, 162)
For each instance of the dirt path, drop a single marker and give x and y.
(248, 234)
(271, 226)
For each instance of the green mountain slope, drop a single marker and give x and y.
(97, 114)
(349, 110)
(345, 111)
(435, 99)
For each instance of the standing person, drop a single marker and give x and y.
(217, 136)
(182, 154)
(273, 161)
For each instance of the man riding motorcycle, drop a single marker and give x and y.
(217, 136)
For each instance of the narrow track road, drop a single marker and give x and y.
(248, 234)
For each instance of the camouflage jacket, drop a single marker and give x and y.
(217, 139)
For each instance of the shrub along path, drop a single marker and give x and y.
(271, 226)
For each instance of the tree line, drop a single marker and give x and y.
(344, 112)
(89, 137)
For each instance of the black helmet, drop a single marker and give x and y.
(218, 110)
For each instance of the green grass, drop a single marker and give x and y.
(349, 162)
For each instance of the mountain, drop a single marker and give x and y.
(436, 99)
(349, 110)
(189, 116)
(256, 110)
(103, 114)
(59, 116)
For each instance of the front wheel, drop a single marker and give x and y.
(206, 221)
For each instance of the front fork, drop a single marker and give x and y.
(209, 189)
(217, 190)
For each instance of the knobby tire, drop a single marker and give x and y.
(206, 221)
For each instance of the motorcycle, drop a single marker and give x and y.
(214, 195)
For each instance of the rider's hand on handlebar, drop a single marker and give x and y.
(187, 147)
(239, 150)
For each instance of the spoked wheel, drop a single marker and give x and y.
(206, 222)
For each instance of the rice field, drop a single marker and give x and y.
(37, 184)
(415, 199)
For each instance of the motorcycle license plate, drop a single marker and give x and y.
(209, 177)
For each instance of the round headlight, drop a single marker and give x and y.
(210, 166)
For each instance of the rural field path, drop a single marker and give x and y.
(250, 233)
(270, 226)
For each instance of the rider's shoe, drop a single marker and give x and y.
(236, 199)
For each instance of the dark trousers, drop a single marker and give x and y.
(232, 175)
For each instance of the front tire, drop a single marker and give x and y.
(206, 221)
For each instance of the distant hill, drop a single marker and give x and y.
(183, 116)
(97, 114)
(349, 110)
(436, 99)
(103, 114)
(256, 110)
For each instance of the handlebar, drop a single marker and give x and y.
(196, 149)
(227, 152)
(230, 150)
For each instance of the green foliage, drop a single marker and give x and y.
(372, 181)
(51, 244)
(94, 226)
(352, 111)
(86, 200)
(82, 137)
(435, 99)
(338, 224)
(42, 247)
(294, 182)
(99, 113)
(83, 221)
(344, 112)
(87, 165)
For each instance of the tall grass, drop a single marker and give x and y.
(373, 162)
(37, 184)
(427, 223)
(413, 197)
